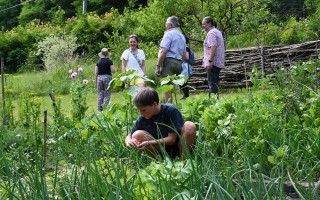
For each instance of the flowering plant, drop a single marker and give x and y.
(78, 93)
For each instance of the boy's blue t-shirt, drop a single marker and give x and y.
(169, 120)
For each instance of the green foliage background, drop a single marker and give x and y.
(243, 22)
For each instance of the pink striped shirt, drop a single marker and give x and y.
(214, 38)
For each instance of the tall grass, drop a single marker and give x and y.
(132, 176)
(254, 146)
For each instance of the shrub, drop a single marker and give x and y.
(18, 44)
(57, 51)
(294, 32)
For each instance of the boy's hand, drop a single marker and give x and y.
(135, 142)
(132, 143)
(143, 145)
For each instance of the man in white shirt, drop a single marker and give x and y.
(171, 54)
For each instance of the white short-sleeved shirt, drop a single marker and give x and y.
(132, 63)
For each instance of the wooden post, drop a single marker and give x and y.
(4, 120)
(261, 48)
(45, 114)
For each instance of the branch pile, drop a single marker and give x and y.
(239, 63)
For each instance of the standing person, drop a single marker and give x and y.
(214, 58)
(134, 59)
(103, 70)
(187, 69)
(160, 125)
(171, 54)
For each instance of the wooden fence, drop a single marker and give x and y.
(240, 62)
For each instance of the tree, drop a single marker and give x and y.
(45, 10)
(101, 7)
(149, 22)
(9, 11)
(285, 9)
(34, 10)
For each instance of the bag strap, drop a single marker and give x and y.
(136, 57)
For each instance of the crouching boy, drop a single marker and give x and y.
(160, 125)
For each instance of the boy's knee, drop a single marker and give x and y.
(189, 127)
(141, 135)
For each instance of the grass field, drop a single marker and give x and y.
(39, 84)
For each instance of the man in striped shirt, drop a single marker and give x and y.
(214, 53)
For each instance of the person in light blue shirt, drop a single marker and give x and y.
(186, 71)
(171, 54)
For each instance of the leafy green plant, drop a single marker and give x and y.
(123, 80)
(163, 177)
(259, 79)
(193, 108)
(172, 83)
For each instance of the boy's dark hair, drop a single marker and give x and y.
(146, 97)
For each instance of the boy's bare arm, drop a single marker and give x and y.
(169, 140)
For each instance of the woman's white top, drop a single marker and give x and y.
(132, 63)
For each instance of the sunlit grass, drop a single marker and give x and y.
(25, 82)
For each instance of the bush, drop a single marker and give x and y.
(57, 51)
(294, 32)
(18, 44)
